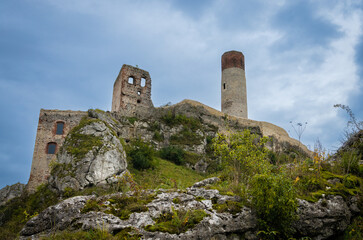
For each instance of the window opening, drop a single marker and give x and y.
(60, 127)
(131, 80)
(224, 86)
(139, 93)
(143, 82)
(51, 148)
(138, 101)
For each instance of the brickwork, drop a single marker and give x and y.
(129, 93)
(233, 59)
(233, 85)
(47, 133)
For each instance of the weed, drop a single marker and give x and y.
(177, 221)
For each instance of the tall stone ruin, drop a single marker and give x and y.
(233, 88)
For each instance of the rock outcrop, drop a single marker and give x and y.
(91, 155)
(10, 192)
(319, 220)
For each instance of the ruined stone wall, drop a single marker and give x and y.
(233, 88)
(132, 90)
(47, 133)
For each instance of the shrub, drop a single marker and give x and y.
(140, 154)
(174, 154)
(243, 155)
(274, 199)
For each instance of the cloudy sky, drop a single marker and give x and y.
(302, 57)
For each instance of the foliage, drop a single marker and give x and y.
(229, 206)
(172, 119)
(158, 136)
(121, 206)
(140, 154)
(78, 144)
(94, 234)
(186, 136)
(132, 120)
(19, 210)
(177, 221)
(243, 155)
(174, 154)
(165, 175)
(274, 199)
(349, 161)
(353, 125)
(250, 175)
(355, 229)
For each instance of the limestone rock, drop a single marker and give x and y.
(10, 192)
(67, 215)
(59, 216)
(206, 182)
(322, 219)
(91, 155)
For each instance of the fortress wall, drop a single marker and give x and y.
(47, 133)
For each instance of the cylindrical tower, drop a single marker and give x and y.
(234, 93)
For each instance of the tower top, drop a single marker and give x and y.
(233, 59)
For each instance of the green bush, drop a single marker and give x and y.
(242, 154)
(274, 199)
(350, 162)
(140, 154)
(15, 213)
(355, 230)
(174, 154)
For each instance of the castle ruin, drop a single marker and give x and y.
(233, 88)
(132, 94)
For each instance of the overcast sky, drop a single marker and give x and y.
(301, 57)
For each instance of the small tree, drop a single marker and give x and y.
(242, 153)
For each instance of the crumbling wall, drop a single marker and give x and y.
(46, 134)
(132, 90)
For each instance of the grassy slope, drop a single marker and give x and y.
(165, 175)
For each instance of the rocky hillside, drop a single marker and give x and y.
(141, 177)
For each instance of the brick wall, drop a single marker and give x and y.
(46, 133)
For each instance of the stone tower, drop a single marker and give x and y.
(131, 90)
(234, 94)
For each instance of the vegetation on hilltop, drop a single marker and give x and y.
(269, 182)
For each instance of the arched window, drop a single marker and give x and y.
(60, 128)
(51, 148)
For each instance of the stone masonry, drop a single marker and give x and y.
(132, 90)
(234, 94)
(47, 135)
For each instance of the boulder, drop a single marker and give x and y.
(91, 155)
(10, 192)
(322, 219)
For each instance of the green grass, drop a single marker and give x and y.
(96, 234)
(120, 206)
(166, 175)
(177, 221)
(19, 210)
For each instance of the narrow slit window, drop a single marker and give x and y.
(60, 127)
(224, 86)
(131, 80)
(138, 101)
(139, 93)
(51, 148)
(143, 82)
